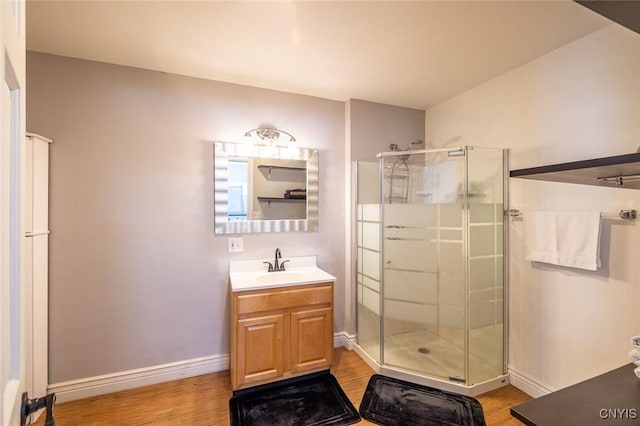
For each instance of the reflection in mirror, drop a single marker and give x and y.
(238, 188)
(279, 188)
(264, 189)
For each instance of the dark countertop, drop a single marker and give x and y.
(612, 398)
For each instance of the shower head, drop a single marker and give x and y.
(416, 142)
(394, 147)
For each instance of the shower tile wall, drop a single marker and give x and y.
(411, 294)
(452, 274)
(368, 275)
(369, 255)
(411, 266)
(429, 242)
(485, 278)
(486, 288)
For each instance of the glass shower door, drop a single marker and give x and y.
(430, 282)
(423, 252)
(486, 281)
(369, 249)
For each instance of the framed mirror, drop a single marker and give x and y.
(261, 188)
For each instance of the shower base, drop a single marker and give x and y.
(410, 356)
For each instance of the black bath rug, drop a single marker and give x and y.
(312, 400)
(393, 402)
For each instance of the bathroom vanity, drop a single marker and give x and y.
(281, 322)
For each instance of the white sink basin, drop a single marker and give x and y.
(280, 277)
(252, 274)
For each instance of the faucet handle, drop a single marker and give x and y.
(270, 266)
(282, 264)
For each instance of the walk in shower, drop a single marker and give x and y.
(430, 265)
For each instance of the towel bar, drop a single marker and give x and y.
(622, 214)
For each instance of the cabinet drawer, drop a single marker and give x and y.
(283, 298)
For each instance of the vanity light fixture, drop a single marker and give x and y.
(270, 135)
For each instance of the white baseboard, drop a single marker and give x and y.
(344, 339)
(124, 380)
(528, 384)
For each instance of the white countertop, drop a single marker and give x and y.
(252, 274)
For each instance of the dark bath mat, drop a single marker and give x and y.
(393, 402)
(312, 400)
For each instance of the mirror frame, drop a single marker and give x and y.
(222, 225)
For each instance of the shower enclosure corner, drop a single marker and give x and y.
(430, 263)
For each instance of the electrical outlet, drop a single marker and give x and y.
(235, 245)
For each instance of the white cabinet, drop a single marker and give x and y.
(36, 255)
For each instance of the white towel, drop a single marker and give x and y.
(563, 238)
(634, 355)
(635, 341)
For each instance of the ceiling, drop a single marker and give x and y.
(413, 54)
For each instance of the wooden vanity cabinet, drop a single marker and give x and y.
(277, 333)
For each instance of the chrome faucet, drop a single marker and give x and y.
(276, 266)
(278, 256)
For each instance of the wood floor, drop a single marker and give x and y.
(204, 400)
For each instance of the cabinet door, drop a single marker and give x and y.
(311, 339)
(260, 348)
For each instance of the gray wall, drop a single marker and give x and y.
(137, 277)
(373, 127)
